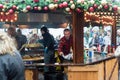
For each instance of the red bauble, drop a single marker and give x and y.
(45, 8)
(91, 9)
(11, 11)
(36, 1)
(28, 7)
(78, 10)
(14, 7)
(55, 0)
(1, 5)
(95, 5)
(60, 5)
(35, 8)
(115, 8)
(65, 4)
(106, 6)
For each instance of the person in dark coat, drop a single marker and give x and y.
(48, 42)
(21, 40)
(11, 64)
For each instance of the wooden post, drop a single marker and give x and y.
(114, 31)
(78, 47)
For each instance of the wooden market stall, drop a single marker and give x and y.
(100, 69)
(103, 69)
(107, 69)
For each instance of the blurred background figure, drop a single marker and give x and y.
(118, 37)
(107, 38)
(107, 41)
(11, 64)
(34, 38)
(12, 33)
(21, 39)
(94, 40)
(18, 37)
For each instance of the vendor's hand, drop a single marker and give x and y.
(45, 50)
(61, 53)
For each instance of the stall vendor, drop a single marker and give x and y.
(65, 45)
(48, 42)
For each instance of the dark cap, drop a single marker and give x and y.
(44, 28)
(18, 30)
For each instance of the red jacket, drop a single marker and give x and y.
(65, 45)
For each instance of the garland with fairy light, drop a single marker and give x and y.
(53, 5)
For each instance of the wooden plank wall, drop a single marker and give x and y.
(110, 65)
(89, 72)
(31, 74)
(100, 71)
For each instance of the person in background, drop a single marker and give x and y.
(107, 38)
(48, 42)
(21, 39)
(12, 33)
(18, 38)
(107, 41)
(11, 64)
(94, 40)
(65, 46)
(101, 43)
(118, 37)
(34, 38)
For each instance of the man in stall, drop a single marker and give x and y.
(48, 42)
(65, 46)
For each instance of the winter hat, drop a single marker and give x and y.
(44, 28)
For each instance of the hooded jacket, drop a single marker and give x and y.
(11, 67)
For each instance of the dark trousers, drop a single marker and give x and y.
(49, 59)
(54, 76)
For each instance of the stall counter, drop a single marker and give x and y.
(103, 69)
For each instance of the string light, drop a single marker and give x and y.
(104, 18)
(6, 17)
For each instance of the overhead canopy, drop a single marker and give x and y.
(12, 6)
(35, 20)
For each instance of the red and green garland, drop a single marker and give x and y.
(53, 5)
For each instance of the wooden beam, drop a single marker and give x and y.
(78, 44)
(114, 32)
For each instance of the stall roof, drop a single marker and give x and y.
(24, 6)
(35, 20)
